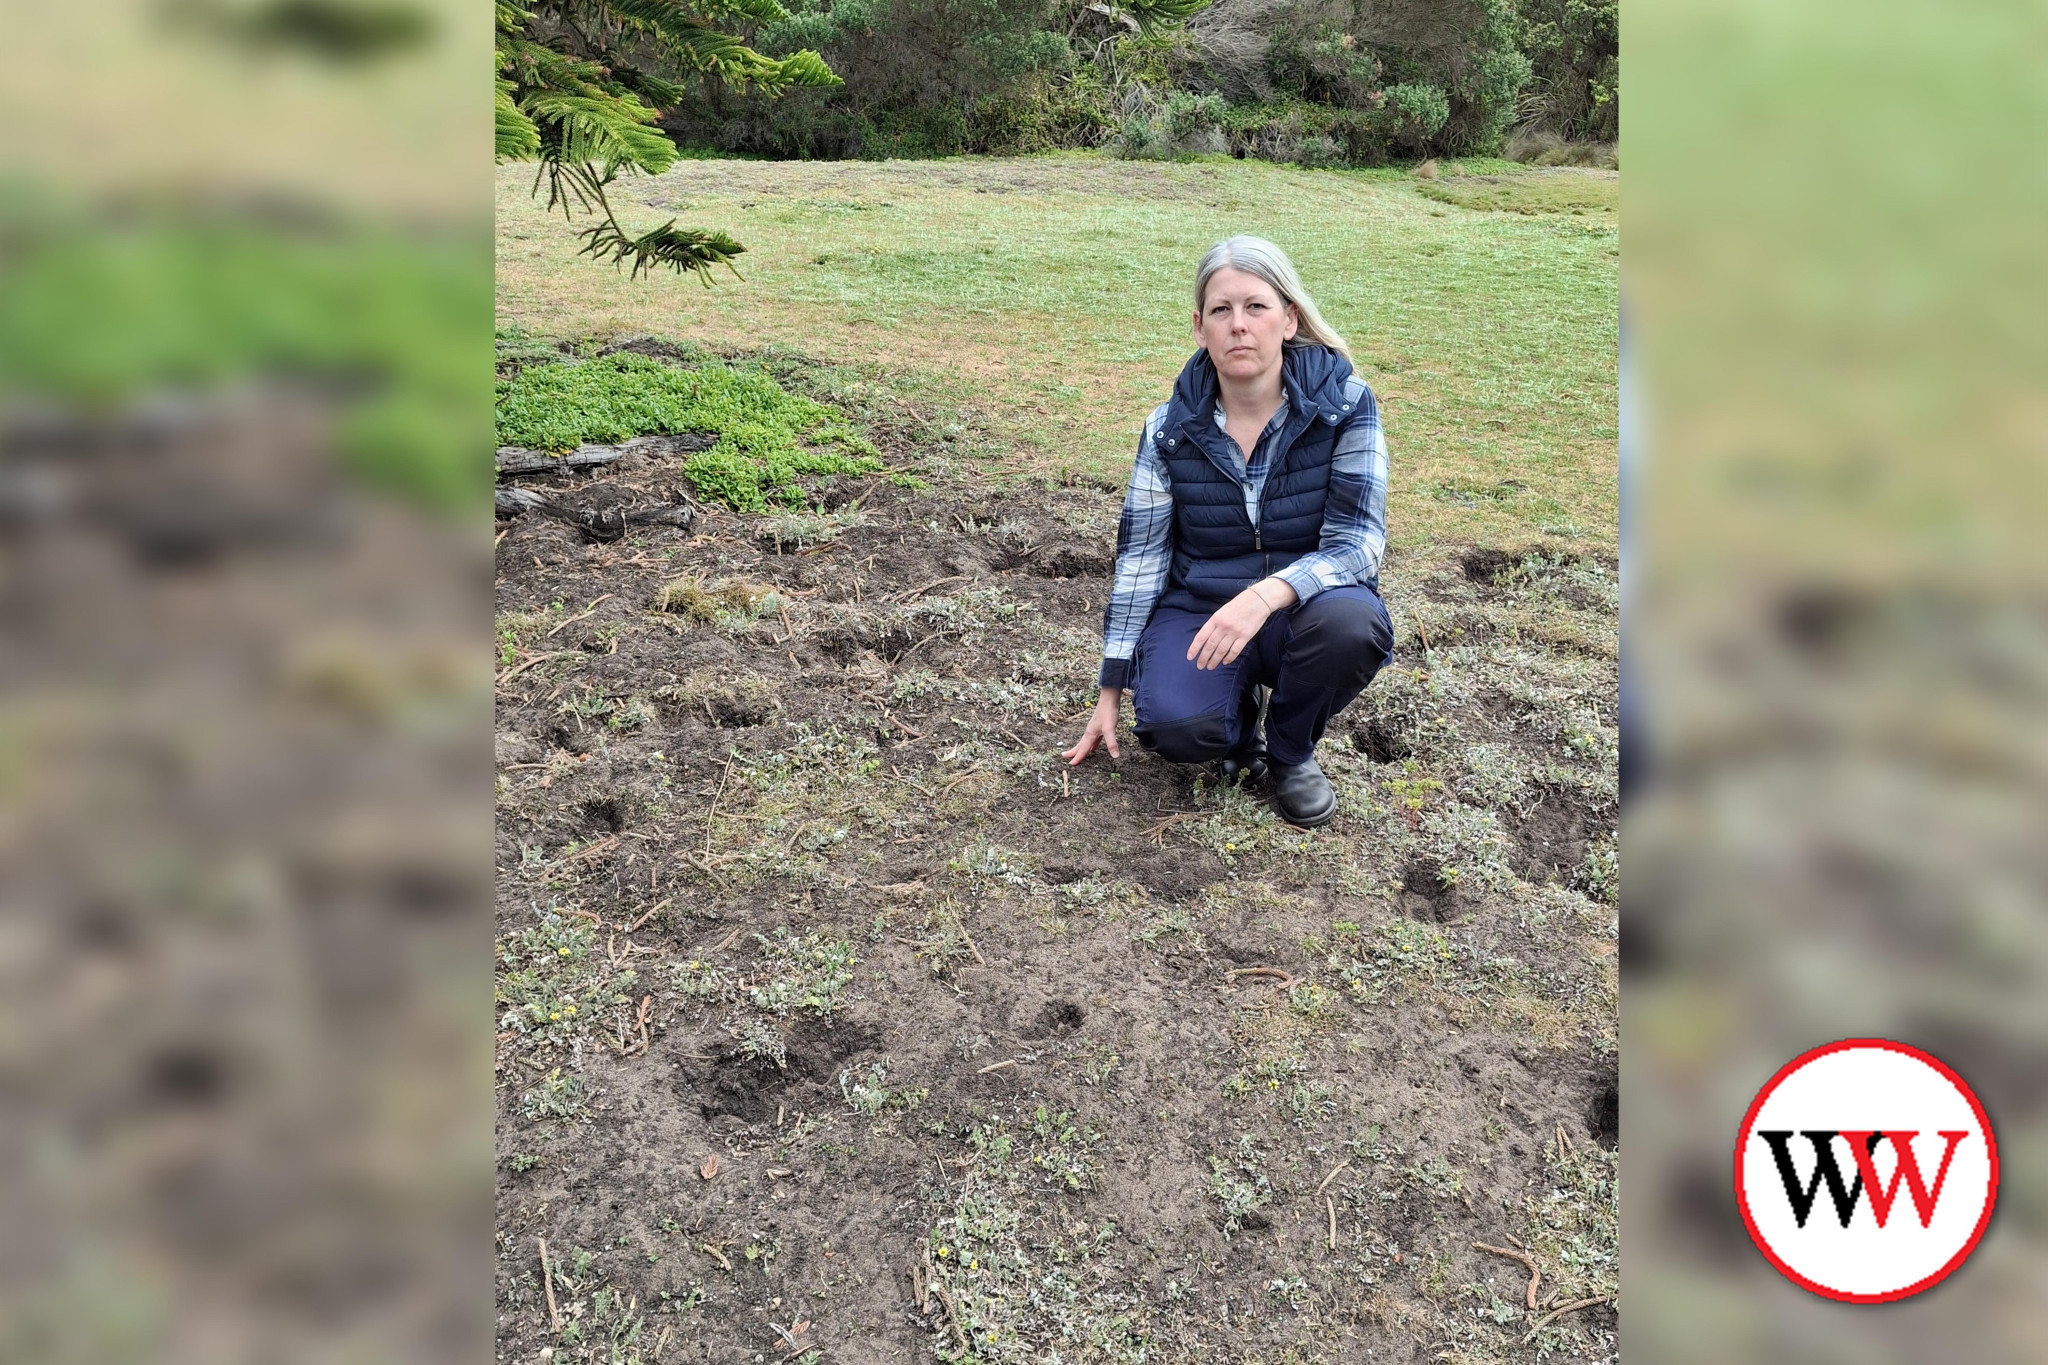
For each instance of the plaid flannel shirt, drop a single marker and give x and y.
(1354, 532)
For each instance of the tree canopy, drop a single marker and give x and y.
(582, 83)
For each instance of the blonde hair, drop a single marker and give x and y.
(1257, 256)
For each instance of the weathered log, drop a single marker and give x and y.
(598, 523)
(520, 460)
(514, 502)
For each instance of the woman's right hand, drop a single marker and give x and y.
(1101, 728)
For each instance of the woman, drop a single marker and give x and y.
(1247, 559)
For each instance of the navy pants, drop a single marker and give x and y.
(1316, 657)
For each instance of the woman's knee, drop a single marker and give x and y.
(1190, 739)
(1353, 626)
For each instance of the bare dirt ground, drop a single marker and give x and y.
(838, 1023)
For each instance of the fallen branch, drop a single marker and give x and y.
(547, 1279)
(1557, 1313)
(520, 460)
(1535, 1275)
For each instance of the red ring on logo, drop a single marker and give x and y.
(1847, 1045)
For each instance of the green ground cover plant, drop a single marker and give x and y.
(768, 438)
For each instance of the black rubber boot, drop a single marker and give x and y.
(1302, 795)
(1247, 762)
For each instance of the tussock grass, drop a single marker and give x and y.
(732, 604)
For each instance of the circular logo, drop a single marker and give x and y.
(1866, 1170)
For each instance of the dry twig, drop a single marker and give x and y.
(1158, 831)
(919, 592)
(547, 1279)
(1330, 1203)
(1535, 1275)
(1555, 1313)
(1342, 1167)
(997, 1066)
(731, 755)
(715, 1254)
(1286, 979)
(564, 625)
(959, 1336)
(590, 851)
(509, 674)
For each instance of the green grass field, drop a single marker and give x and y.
(1045, 301)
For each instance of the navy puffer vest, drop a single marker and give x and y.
(1217, 551)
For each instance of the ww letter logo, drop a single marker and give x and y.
(1829, 1145)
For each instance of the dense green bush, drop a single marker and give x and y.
(1320, 82)
(1575, 49)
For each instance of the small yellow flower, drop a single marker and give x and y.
(556, 1017)
(1272, 1085)
(568, 1009)
(973, 1264)
(563, 950)
(944, 1251)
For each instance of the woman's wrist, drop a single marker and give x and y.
(1277, 593)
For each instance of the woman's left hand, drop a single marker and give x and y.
(1223, 636)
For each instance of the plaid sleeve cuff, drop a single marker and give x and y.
(1301, 577)
(1115, 673)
